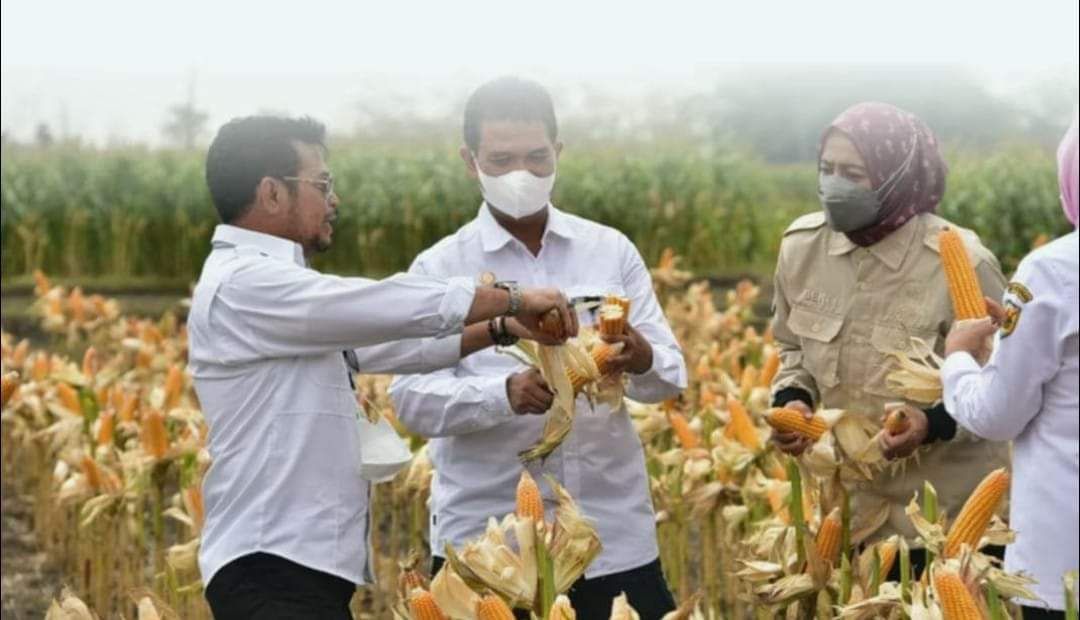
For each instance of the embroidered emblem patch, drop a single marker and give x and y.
(1012, 318)
(487, 278)
(1022, 293)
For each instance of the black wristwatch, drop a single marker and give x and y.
(499, 333)
(515, 296)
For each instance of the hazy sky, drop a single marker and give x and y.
(110, 68)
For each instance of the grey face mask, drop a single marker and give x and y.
(848, 206)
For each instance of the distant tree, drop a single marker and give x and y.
(186, 123)
(43, 136)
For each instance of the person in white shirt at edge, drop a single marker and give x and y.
(483, 412)
(286, 503)
(1029, 392)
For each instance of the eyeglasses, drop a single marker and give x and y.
(325, 185)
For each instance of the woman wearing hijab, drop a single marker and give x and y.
(857, 281)
(1029, 393)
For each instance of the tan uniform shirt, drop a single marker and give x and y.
(840, 308)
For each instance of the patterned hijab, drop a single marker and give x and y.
(1069, 172)
(902, 160)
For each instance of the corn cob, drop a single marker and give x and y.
(106, 423)
(769, 368)
(174, 383)
(69, 398)
(619, 300)
(422, 606)
(530, 504)
(967, 297)
(552, 324)
(955, 599)
(193, 501)
(741, 427)
(90, 362)
(76, 302)
(492, 607)
(974, 517)
(18, 357)
(561, 609)
(687, 438)
(41, 283)
(155, 440)
(40, 368)
(896, 422)
(828, 537)
(91, 472)
(887, 552)
(600, 354)
(127, 410)
(612, 320)
(10, 386)
(792, 421)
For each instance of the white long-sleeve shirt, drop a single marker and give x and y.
(476, 436)
(1029, 392)
(266, 336)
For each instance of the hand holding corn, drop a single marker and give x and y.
(536, 303)
(636, 356)
(972, 336)
(901, 439)
(528, 392)
(794, 443)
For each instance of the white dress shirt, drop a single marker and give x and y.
(476, 436)
(266, 336)
(1029, 392)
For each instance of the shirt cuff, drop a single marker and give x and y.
(455, 304)
(496, 400)
(440, 353)
(940, 426)
(791, 394)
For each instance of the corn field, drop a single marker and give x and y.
(102, 430)
(123, 213)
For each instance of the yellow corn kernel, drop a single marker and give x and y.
(955, 599)
(741, 427)
(422, 606)
(967, 297)
(686, 436)
(491, 607)
(828, 537)
(792, 421)
(530, 504)
(612, 320)
(561, 609)
(974, 517)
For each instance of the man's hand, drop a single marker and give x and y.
(535, 302)
(910, 437)
(636, 356)
(528, 392)
(794, 443)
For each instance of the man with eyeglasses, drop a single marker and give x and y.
(286, 500)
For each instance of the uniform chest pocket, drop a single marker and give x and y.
(329, 376)
(819, 339)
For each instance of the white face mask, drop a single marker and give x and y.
(518, 194)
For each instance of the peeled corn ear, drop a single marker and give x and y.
(492, 607)
(955, 599)
(974, 517)
(791, 421)
(530, 504)
(967, 297)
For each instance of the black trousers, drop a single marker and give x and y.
(644, 586)
(267, 586)
(918, 561)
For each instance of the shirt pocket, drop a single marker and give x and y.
(884, 341)
(818, 337)
(330, 391)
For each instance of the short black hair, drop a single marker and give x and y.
(508, 99)
(246, 150)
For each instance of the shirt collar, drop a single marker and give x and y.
(277, 247)
(494, 236)
(891, 250)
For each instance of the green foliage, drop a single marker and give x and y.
(146, 214)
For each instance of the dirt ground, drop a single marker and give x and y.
(28, 583)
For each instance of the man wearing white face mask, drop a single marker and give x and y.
(481, 414)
